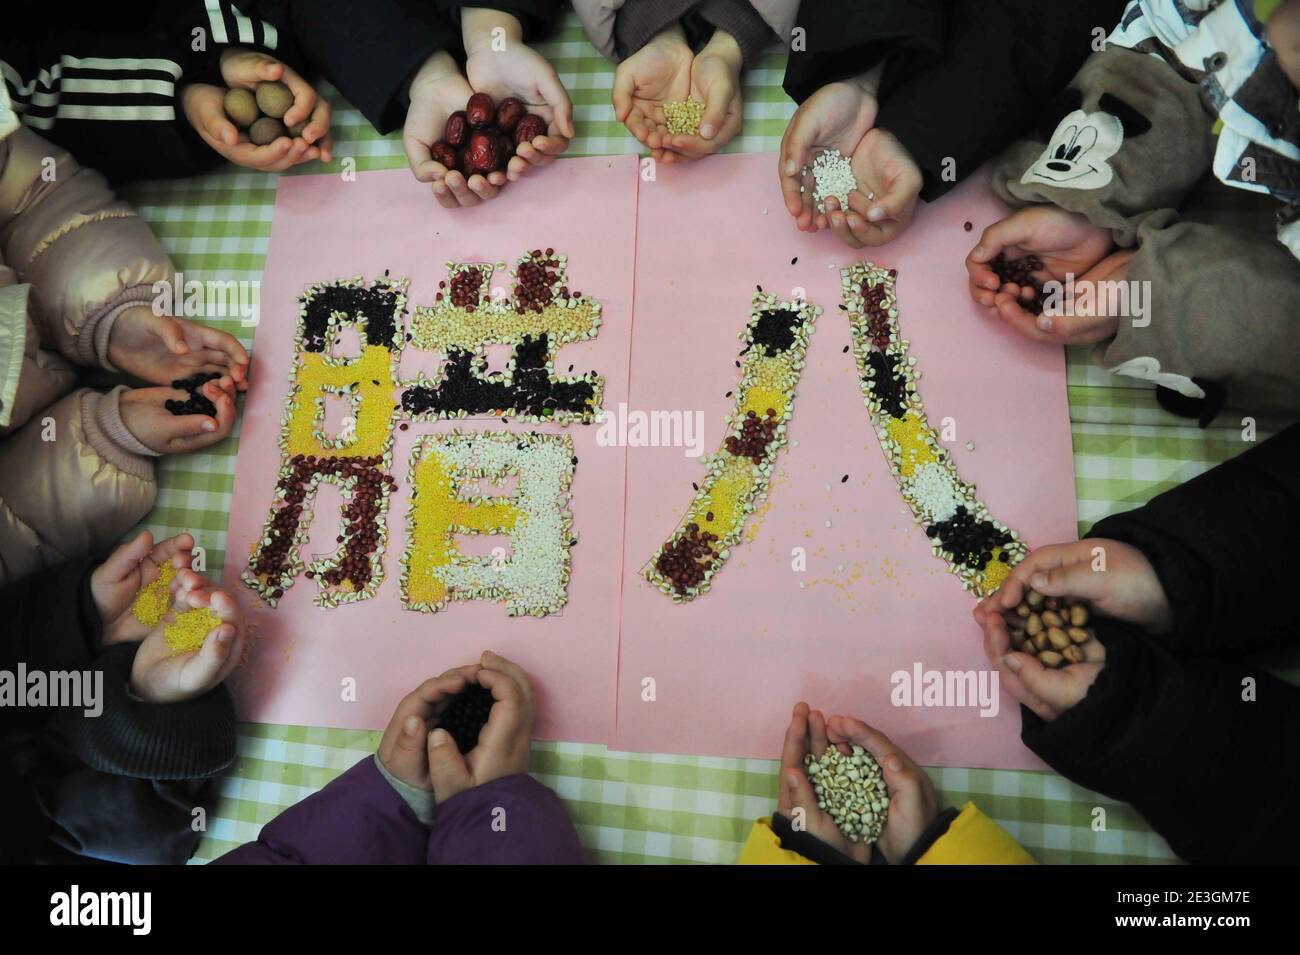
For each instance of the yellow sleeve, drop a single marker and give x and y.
(764, 848)
(974, 839)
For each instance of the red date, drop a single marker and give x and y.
(457, 129)
(529, 128)
(480, 110)
(443, 152)
(486, 151)
(509, 112)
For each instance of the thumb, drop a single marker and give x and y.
(409, 760)
(204, 670)
(249, 69)
(624, 87)
(1073, 580)
(999, 236)
(718, 97)
(126, 558)
(557, 98)
(209, 113)
(447, 767)
(171, 332)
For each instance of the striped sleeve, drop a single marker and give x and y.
(114, 99)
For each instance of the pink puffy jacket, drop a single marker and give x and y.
(72, 258)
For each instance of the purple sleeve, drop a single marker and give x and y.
(510, 821)
(358, 819)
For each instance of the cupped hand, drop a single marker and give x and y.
(658, 73)
(404, 750)
(715, 82)
(1066, 243)
(518, 70)
(144, 412)
(161, 348)
(837, 116)
(204, 108)
(913, 802)
(116, 582)
(504, 742)
(1045, 691)
(161, 675)
(889, 185)
(1116, 578)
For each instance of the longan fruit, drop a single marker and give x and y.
(241, 106)
(266, 131)
(274, 99)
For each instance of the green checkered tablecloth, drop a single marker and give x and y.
(633, 807)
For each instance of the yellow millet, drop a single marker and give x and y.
(683, 118)
(153, 601)
(911, 432)
(186, 633)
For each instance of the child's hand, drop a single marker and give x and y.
(520, 71)
(1125, 587)
(892, 183)
(837, 116)
(503, 744)
(204, 108)
(913, 803)
(430, 760)
(115, 583)
(659, 72)
(1045, 691)
(1066, 243)
(807, 734)
(161, 349)
(145, 415)
(404, 750)
(715, 81)
(437, 91)
(160, 675)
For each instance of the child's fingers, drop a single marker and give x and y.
(795, 745)
(447, 769)
(213, 661)
(498, 663)
(482, 187)
(1057, 689)
(791, 160)
(175, 550)
(817, 740)
(622, 97)
(899, 769)
(717, 103)
(1008, 308)
(442, 192)
(305, 99)
(557, 98)
(407, 755)
(125, 560)
(796, 792)
(205, 106)
(247, 68)
(1042, 560)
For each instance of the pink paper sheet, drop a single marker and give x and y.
(729, 666)
(324, 229)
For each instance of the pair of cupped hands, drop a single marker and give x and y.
(159, 675)
(160, 349)
(429, 760)
(1126, 589)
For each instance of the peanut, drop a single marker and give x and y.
(1056, 636)
(1050, 658)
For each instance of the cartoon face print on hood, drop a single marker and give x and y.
(1078, 152)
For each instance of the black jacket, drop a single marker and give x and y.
(962, 78)
(120, 786)
(1202, 740)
